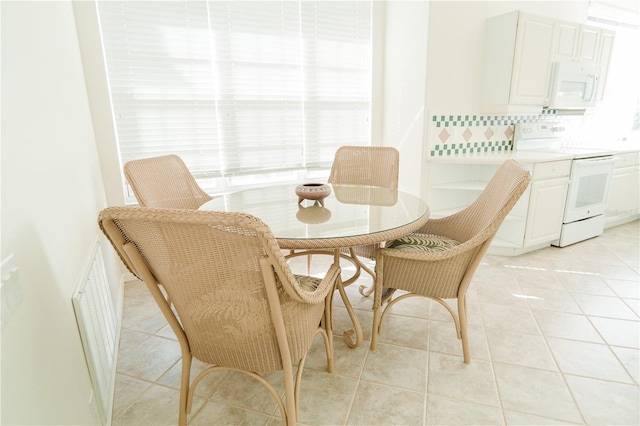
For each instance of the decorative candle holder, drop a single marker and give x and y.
(313, 191)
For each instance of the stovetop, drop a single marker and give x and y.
(549, 137)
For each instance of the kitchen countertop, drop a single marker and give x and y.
(525, 156)
(499, 157)
(622, 149)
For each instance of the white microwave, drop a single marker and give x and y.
(573, 85)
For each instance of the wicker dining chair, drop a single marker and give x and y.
(366, 165)
(164, 182)
(235, 304)
(439, 260)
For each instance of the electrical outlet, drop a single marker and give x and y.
(11, 293)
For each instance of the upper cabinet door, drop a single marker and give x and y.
(577, 42)
(567, 37)
(532, 60)
(589, 44)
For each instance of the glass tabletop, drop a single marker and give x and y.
(349, 211)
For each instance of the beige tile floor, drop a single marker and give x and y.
(555, 339)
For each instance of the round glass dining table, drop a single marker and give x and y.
(352, 215)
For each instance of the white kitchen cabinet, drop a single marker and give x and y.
(567, 36)
(585, 43)
(534, 222)
(520, 49)
(517, 65)
(546, 202)
(624, 195)
(576, 42)
(589, 45)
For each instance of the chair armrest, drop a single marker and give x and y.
(327, 284)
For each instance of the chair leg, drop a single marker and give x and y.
(297, 384)
(462, 317)
(185, 400)
(291, 405)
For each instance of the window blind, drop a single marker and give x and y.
(244, 92)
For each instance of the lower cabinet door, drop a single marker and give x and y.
(546, 209)
(623, 196)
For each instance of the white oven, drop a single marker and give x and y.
(586, 199)
(591, 174)
(589, 188)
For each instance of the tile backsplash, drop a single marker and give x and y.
(470, 134)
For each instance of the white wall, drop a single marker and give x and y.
(456, 47)
(405, 65)
(52, 191)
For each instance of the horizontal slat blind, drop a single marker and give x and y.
(244, 92)
(338, 73)
(257, 56)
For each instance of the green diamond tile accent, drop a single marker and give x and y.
(477, 125)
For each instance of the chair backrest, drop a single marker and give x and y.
(481, 219)
(164, 182)
(216, 268)
(366, 165)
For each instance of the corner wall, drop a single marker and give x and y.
(52, 191)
